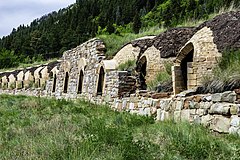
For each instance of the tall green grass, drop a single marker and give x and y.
(39, 128)
(127, 66)
(226, 76)
(162, 78)
(114, 42)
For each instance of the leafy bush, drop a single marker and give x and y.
(8, 59)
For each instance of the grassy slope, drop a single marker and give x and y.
(35, 128)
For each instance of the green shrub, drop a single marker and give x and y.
(114, 42)
(129, 65)
(226, 76)
(163, 77)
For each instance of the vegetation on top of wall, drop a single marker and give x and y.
(127, 66)
(26, 65)
(163, 80)
(42, 128)
(226, 75)
(114, 42)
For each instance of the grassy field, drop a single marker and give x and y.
(38, 128)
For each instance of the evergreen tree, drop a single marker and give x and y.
(136, 23)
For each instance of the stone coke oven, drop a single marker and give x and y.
(203, 51)
(157, 51)
(84, 72)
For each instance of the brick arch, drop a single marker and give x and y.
(12, 81)
(5, 81)
(37, 76)
(53, 75)
(184, 52)
(65, 66)
(183, 75)
(20, 80)
(82, 64)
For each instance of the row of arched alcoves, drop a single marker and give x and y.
(80, 82)
(32, 77)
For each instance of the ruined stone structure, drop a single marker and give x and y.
(201, 53)
(84, 72)
(156, 52)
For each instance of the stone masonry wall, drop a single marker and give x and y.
(220, 112)
(205, 58)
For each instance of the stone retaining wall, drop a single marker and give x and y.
(220, 112)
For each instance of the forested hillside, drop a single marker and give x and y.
(50, 35)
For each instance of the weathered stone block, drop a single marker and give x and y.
(196, 119)
(207, 98)
(217, 97)
(158, 114)
(220, 124)
(194, 105)
(197, 98)
(201, 112)
(165, 105)
(147, 111)
(229, 96)
(179, 105)
(220, 108)
(141, 111)
(205, 105)
(134, 112)
(131, 106)
(186, 104)
(233, 130)
(124, 104)
(192, 82)
(190, 70)
(155, 103)
(185, 115)
(192, 76)
(162, 115)
(234, 109)
(153, 111)
(206, 120)
(177, 116)
(235, 121)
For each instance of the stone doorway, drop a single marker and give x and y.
(142, 72)
(182, 72)
(186, 67)
(39, 83)
(54, 83)
(100, 82)
(66, 83)
(80, 82)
